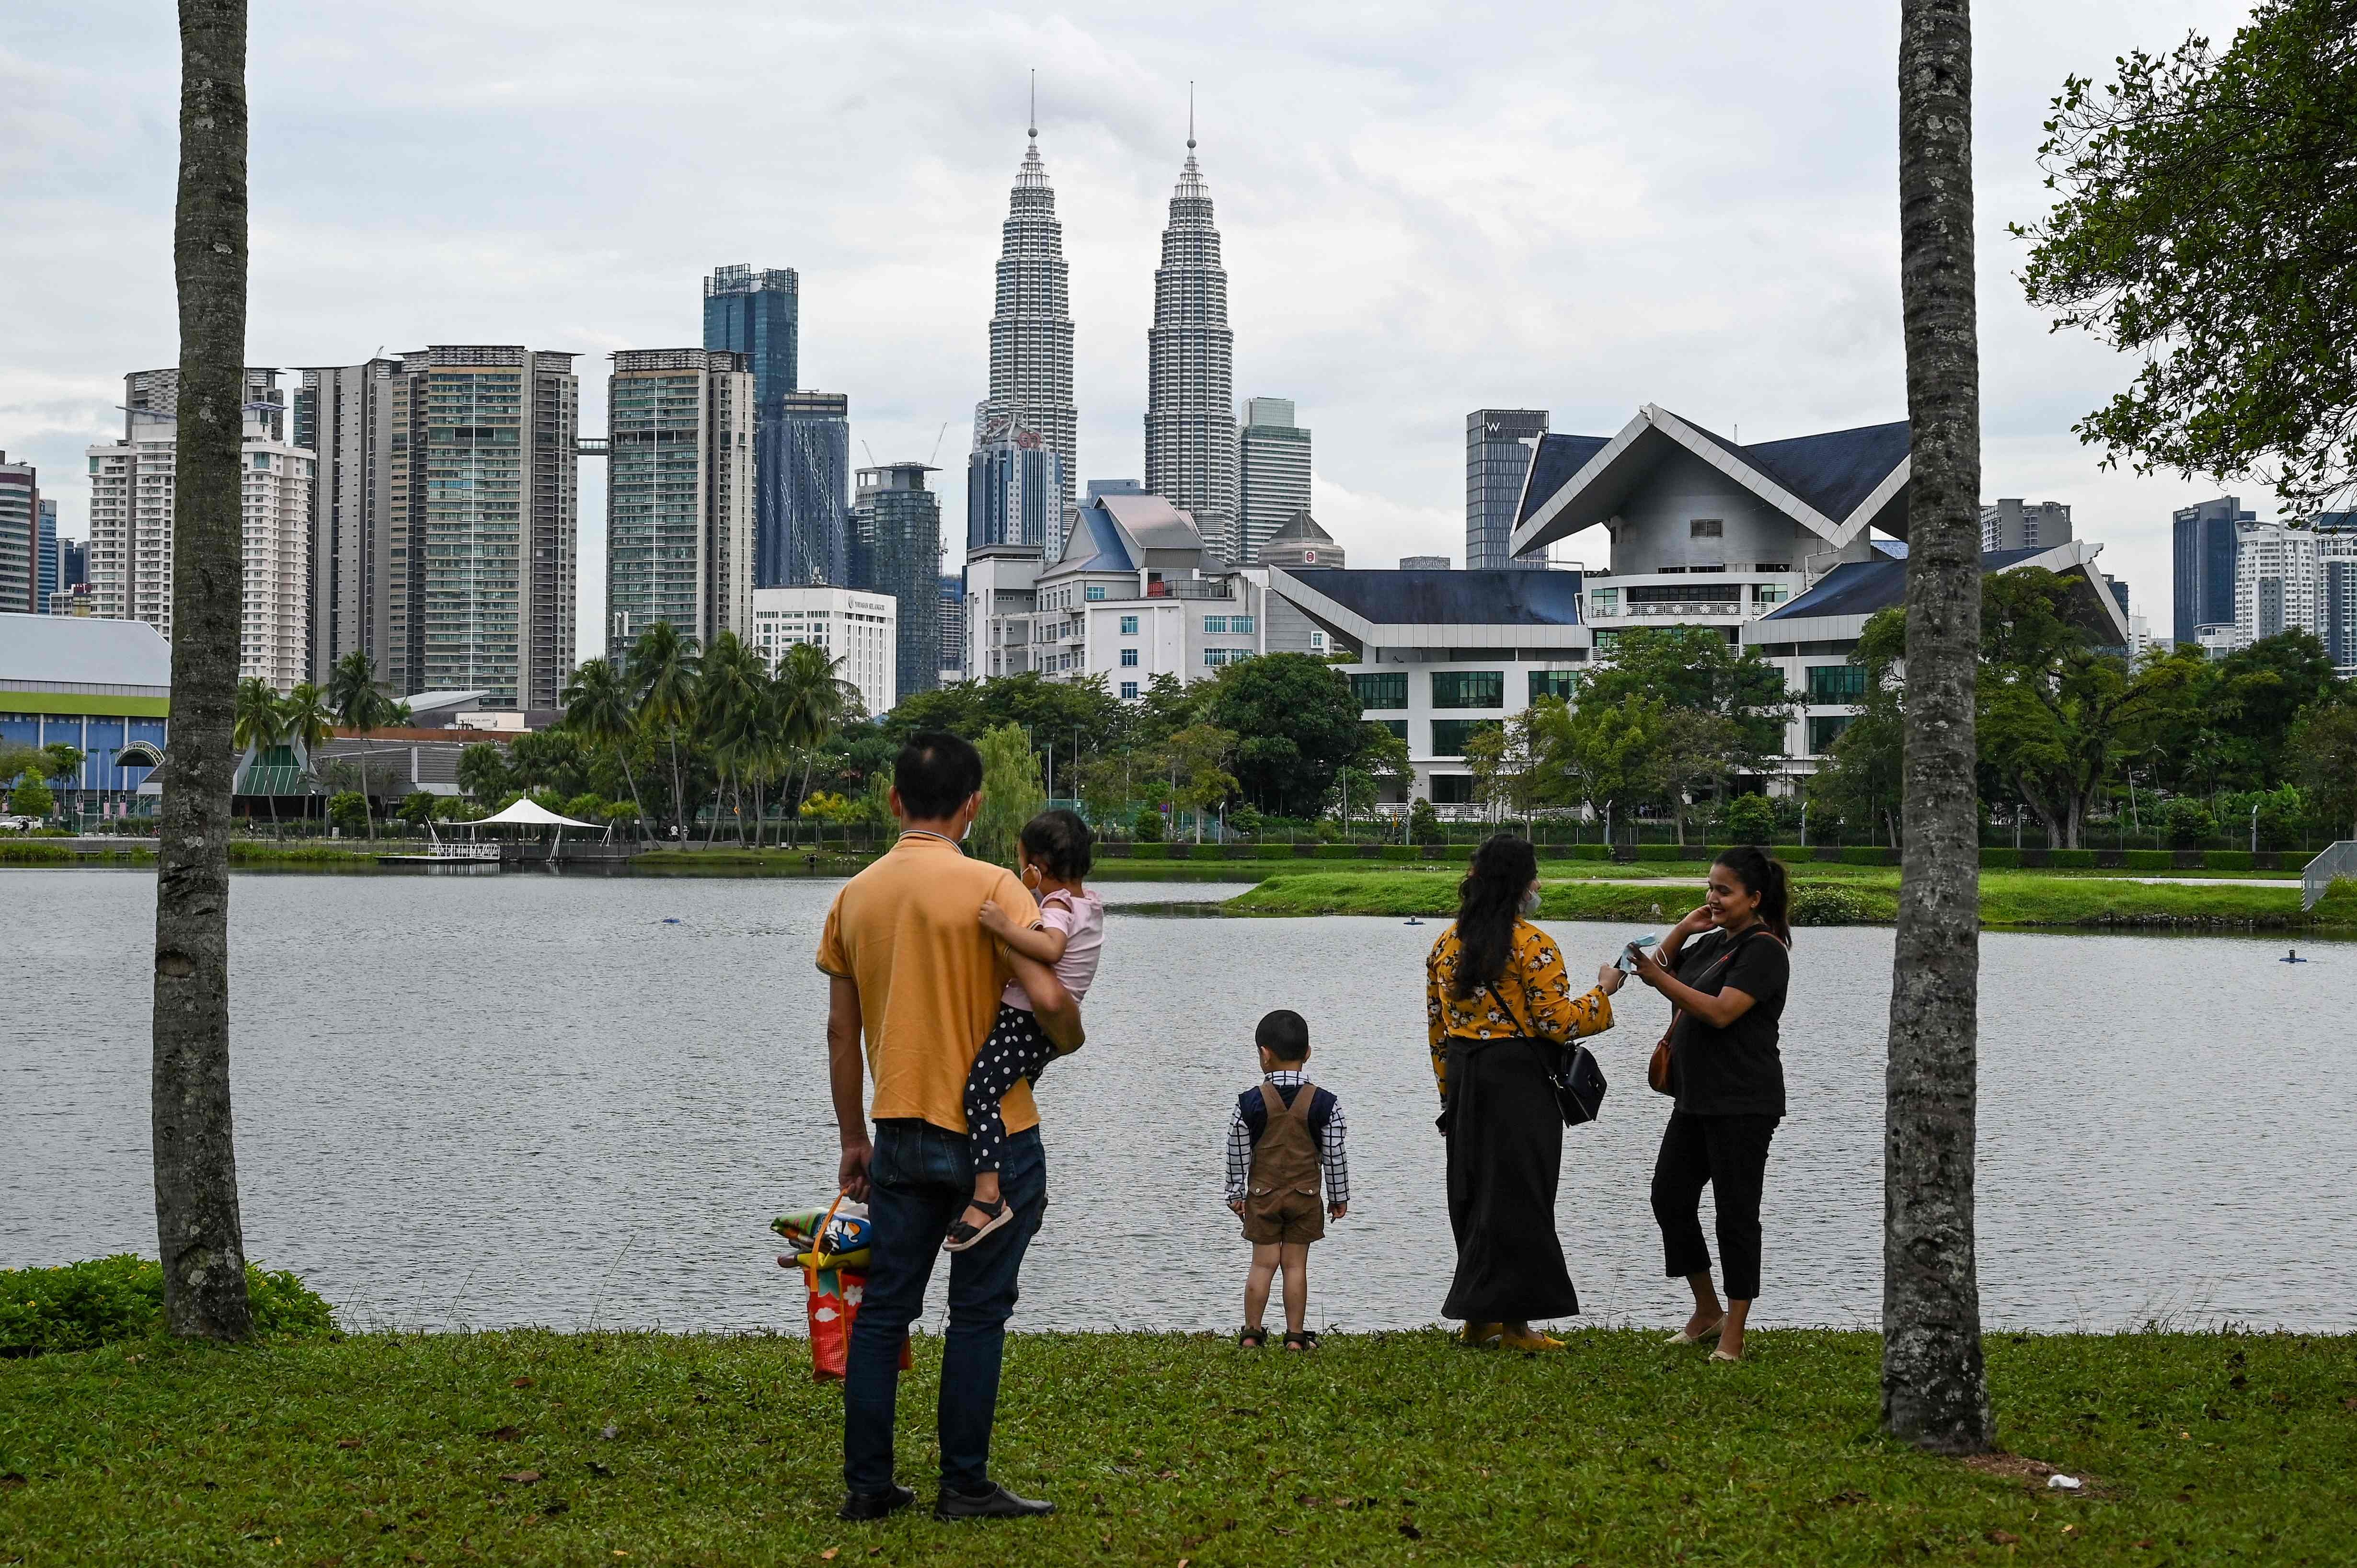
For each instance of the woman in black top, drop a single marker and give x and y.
(1729, 989)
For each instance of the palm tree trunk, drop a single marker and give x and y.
(198, 1234)
(628, 777)
(1934, 1386)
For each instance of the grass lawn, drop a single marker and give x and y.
(1860, 895)
(621, 1449)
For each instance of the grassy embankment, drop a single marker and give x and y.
(1865, 896)
(613, 1448)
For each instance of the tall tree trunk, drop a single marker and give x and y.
(1934, 1388)
(197, 1232)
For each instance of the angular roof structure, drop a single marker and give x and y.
(1127, 533)
(1837, 484)
(1425, 609)
(83, 653)
(1857, 589)
(1300, 526)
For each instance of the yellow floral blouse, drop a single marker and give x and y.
(1534, 985)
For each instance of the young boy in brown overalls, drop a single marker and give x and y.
(1283, 1136)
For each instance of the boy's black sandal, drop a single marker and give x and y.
(1301, 1339)
(1252, 1339)
(995, 1216)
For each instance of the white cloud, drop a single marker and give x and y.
(1427, 210)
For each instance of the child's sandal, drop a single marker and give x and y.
(995, 1216)
(1252, 1339)
(1301, 1339)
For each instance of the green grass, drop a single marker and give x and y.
(1381, 1449)
(2023, 899)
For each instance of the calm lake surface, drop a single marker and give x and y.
(492, 1101)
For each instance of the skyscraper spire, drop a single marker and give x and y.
(1031, 331)
(1191, 421)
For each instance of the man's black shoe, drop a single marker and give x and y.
(875, 1505)
(995, 1503)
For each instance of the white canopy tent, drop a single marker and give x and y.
(524, 813)
(528, 814)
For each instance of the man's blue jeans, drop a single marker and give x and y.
(919, 1182)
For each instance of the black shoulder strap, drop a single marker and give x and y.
(1517, 1017)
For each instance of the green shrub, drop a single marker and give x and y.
(2227, 860)
(1399, 851)
(1749, 818)
(2148, 860)
(347, 809)
(2188, 822)
(1665, 851)
(2000, 859)
(1147, 828)
(1574, 851)
(418, 807)
(1147, 850)
(1868, 855)
(1829, 904)
(2071, 859)
(80, 1306)
(1424, 823)
(1332, 850)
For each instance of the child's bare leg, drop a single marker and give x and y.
(985, 1186)
(1295, 1256)
(1256, 1282)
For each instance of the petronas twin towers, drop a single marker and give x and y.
(1190, 426)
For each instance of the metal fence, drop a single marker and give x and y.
(2340, 860)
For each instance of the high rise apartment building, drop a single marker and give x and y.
(2015, 525)
(20, 537)
(130, 533)
(1273, 472)
(157, 393)
(1498, 446)
(859, 631)
(895, 549)
(47, 564)
(2204, 540)
(2298, 578)
(367, 583)
(809, 442)
(756, 312)
(1031, 335)
(679, 493)
(1191, 429)
(1017, 488)
(953, 629)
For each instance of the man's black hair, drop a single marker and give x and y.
(1284, 1034)
(1061, 842)
(935, 773)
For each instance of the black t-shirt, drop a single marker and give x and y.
(1737, 1071)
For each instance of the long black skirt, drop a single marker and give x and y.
(1505, 1156)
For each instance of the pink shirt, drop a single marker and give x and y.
(1082, 921)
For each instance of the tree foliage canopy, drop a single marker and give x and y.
(2206, 218)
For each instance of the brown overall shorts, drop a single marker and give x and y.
(1282, 1198)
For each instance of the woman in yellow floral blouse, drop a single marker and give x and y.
(1499, 1009)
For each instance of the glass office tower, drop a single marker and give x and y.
(758, 313)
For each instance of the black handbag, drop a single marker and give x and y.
(1576, 1082)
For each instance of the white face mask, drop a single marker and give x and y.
(1530, 905)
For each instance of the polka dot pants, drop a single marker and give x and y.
(1015, 1049)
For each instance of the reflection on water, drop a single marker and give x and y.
(524, 1099)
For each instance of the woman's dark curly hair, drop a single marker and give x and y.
(1488, 902)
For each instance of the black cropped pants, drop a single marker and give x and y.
(1731, 1155)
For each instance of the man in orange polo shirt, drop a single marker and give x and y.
(911, 970)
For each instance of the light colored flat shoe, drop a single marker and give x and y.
(1703, 1337)
(1531, 1341)
(1723, 1356)
(1479, 1333)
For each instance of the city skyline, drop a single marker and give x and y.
(1417, 225)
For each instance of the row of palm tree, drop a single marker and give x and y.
(309, 717)
(757, 725)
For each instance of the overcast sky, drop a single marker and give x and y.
(1425, 209)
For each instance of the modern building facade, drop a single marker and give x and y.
(1031, 334)
(73, 564)
(952, 628)
(1498, 446)
(2017, 524)
(1134, 593)
(48, 565)
(2204, 540)
(131, 493)
(809, 443)
(2296, 579)
(492, 483)
(367, 572)
(1017, 488)
(1190, 430)
(679, 493)
(157, 393)
(1273, 472)
(20, 537)
(756, 312)
(103, 687)
(1424, 563)
(861, 631)
(896, 550)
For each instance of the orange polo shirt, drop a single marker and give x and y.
(907, 930)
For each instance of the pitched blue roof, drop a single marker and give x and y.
(1413, 596)
(1556, 460)
(1862, 587)
(1103, 551)
(1832, 472)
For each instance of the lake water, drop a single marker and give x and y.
(530, 1099)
